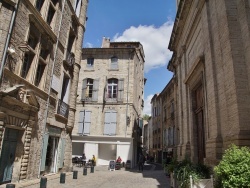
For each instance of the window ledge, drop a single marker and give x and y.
(89, 70)
(113, 69)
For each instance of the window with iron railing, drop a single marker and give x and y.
(63, 109)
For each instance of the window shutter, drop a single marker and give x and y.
(80, 123)
(84, 87)
(61, 153)
(113, 123)
(95, 90)
(87, 122)
(120, 89)
(107, 123)
(44, 151)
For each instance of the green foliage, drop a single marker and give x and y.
(233, 171)
(146, 117)
(186, 168)
(183, 169)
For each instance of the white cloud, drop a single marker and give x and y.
(147, 105)
(154, 40)
(88, 45)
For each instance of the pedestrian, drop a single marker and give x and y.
(141, 162)
(93, 160)
(83, 159)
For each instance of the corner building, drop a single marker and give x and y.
(210, 43)
(108, 120)
(38, 86)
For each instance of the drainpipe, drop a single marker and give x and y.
(13, 18)
(51, 76)
(127, 120)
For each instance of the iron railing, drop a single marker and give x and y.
(63, 109)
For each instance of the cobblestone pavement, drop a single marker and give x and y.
(152, 177)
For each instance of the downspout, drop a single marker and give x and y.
(127, 120)
(13, 18)
(51, 77)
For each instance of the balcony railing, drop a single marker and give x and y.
(63, 109)
(70, 58)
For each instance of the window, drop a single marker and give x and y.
(78, 4)
(172, 109)
(112, 88)
(51, 14)
(65, 89)
(32, 41)
(84, 122)
(39, 4)
(114, 63)
(90, 89)
(90, 62)
(28, 58)
(39, 73)
(110, 123)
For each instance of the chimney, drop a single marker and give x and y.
(105, 42)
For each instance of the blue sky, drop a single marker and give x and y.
(146, 21)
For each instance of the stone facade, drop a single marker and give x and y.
(168, 119)
(38, 86)
(156, 105)
(210, 44)
(110, 102)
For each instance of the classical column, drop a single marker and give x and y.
(25, 158)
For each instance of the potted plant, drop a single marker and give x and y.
(184, 169)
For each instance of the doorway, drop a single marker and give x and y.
(8, 154)
(52, 155)
(199, 121)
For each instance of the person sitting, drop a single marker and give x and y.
(119, 160)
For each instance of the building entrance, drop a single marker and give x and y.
(52, 155)
(8, 155)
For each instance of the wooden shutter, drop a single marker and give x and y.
(80, 122)
(120, 89)
(87, 122)
(95, 90)
(107, 123)
(44, 151)
(61, 152)
(84, 87)
(113, 123)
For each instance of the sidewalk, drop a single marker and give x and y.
(151, 177)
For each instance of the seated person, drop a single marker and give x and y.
(119, 160)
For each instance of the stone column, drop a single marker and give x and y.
(2, 116)
(25, 158)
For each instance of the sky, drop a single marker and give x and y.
(149, 22)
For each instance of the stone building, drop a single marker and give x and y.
(210, 43)
(156, 117)
(168, 116)
(109, 106)
(39, 76)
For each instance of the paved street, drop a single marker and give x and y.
(152, 177)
